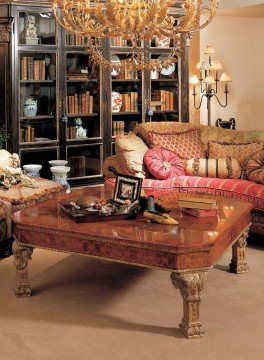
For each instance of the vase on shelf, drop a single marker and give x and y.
(116, 101)
(30, 107)
(60, 174)
(162, 41)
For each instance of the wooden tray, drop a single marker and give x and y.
(79, 215)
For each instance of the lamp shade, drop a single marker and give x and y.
(216, 65)
(202, 65)
(209, 50)
(209, 80)
(225, 77)
(194, 80)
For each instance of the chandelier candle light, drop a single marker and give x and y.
(208, 81)
(138, 21)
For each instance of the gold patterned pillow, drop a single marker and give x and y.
(255, 168)
(241, 152)
(185, 144)
(130, 151)
(215, 168)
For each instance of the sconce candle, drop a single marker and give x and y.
(226, 78)
(194, 81)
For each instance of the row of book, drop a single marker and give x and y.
(118, 41)
(118, 128)
(75, 39)
(163, 100)
(80, 103)
(32, 69)
(27, 134)
(129, 102)
(77, 165)
(80, 73)
(126, 72)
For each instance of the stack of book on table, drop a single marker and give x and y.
(198, 207)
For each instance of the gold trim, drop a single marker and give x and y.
(110, 241)
(113, 260)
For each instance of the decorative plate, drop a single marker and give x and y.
(115, 59)
(166, 71)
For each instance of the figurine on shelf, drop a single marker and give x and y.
(80, 132)
(31, 30)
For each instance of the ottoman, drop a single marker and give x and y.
(19, 197)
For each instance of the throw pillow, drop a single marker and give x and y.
(130, 151)
(241, 152)
(255, 168)
(215, 168)
(163, 164)
(185, 144)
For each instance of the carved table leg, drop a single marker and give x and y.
(22, 254)
(238, 263)
(190, 285)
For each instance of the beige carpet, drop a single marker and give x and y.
(84, 309)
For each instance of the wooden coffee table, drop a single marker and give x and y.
(188, 250)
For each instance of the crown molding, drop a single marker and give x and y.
(26, 2)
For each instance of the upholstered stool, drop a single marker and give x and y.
(19, 197)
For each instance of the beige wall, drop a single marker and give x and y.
(239, 46)
(226, 4)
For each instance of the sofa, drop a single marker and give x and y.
(240, 188)
(19, 196)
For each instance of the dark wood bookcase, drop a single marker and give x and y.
(49, 82)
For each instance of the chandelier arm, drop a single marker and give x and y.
(78, 24)
(222, 105)
(69, 26)
(200, 104)
(190, 22)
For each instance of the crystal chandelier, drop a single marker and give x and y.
(138, 21)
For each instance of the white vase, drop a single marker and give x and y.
(116, 101)
(59, 174)
(32, 169)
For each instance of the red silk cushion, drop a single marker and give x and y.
(163, 164)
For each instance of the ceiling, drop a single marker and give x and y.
(255, 11)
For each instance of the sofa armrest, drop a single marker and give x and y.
(111, 167)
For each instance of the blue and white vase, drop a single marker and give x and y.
(30, 107)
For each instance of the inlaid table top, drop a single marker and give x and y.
(188, 250)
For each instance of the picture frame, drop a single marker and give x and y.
(127, 188)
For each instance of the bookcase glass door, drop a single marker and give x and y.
(164, 89)
(82, 97)
(84, 160)
(37, 28)
(126, 92)
(37, 101)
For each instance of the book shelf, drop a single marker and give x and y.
(61, 106)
